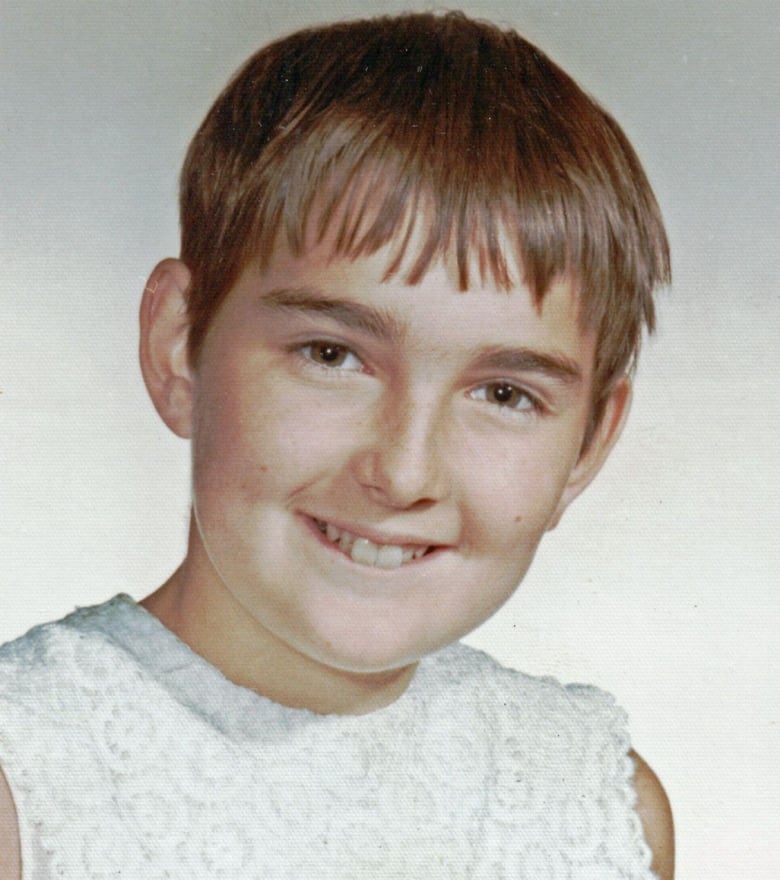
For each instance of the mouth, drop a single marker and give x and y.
(366, 552)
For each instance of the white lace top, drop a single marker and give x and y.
(130, 756)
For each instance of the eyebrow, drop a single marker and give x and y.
(306, 300)
(527, 360)
(386, 326)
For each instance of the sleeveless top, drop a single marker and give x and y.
(128, 755)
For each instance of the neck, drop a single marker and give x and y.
(217, 628)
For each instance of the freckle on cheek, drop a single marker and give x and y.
(518, 519)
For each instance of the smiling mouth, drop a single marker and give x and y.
(366, 552)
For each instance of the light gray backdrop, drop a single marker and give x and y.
(661, 583)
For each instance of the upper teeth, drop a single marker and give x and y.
(367, 552)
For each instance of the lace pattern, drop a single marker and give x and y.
(130, 756)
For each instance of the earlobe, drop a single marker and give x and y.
(163, 345)
(609, 428)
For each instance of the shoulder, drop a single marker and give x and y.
(10, 858)
(30, 685)
(582, 732)
(30, 665)
(535, 697)
(58, 645)
(655, 814)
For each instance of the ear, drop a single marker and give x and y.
(592, 457)
(163, 345)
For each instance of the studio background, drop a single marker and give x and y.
(661, 582)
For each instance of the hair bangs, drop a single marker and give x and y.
(364, 191)
(437, 137)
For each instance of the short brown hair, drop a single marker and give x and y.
(468, 119)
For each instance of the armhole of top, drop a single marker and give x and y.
(627, 771)
(615, 722)
(10, 842)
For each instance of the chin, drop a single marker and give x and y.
(366, 656)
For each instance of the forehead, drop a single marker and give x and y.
(431, 319)
(481, 249)
(379, 205)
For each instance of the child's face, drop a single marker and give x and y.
(338, 419)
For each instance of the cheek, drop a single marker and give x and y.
(514, 493)
(263, 436)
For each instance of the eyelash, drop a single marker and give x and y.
(534, 407)
(306, 353)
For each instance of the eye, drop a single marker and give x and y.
(507, 396)
(331, 355)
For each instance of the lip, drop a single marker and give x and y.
(373, 536)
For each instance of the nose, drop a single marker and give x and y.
(401, 461)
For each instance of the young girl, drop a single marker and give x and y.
(416, 263)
